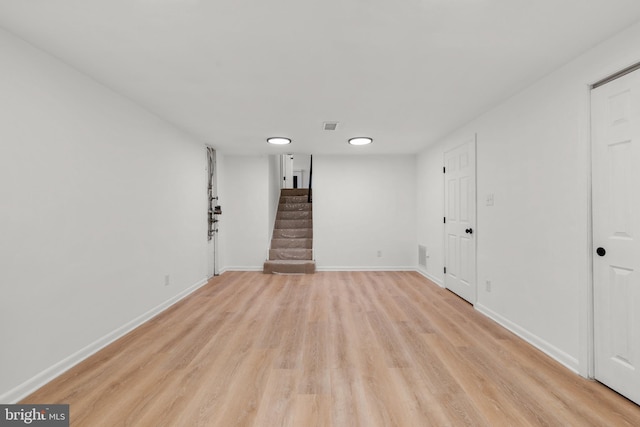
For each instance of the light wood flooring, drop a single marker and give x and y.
(330, 349)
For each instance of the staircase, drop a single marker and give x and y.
(291, 249)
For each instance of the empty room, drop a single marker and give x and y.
(284, 213)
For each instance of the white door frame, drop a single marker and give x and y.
(587, 336)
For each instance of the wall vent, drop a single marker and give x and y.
(422, 256)
(329, 125)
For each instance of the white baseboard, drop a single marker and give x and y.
(364, 268)
(550, 350)
(430, 277)
(31, 385)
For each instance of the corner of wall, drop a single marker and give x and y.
(31, 385)
(432, 278)
(564, 358)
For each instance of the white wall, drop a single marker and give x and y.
(99, 200)
(362, 205)
(244, 225)
(430, 211)
(275, 179)
(533, 244)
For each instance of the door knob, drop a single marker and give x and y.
(469, 231)
(601, 251)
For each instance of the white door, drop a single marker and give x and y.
(287, 170)
(616, 233)
(460, 219)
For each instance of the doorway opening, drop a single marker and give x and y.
(295, 170)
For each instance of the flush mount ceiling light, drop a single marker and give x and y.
(278, 140)
(361, 140)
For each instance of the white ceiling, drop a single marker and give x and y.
(234, 72)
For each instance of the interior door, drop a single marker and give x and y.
(616, 231)
(459, 221)
(287, 170)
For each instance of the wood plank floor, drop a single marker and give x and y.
(330, 349)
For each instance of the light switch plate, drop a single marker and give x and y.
(490, 199)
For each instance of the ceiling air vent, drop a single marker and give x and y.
(329, 125)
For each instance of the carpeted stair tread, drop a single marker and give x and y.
(293, 233)
(294, 192)
(282, 207)
(303, 243)
(289, 267)
(293, 223)
(293, 199)
(294, 215)
(290, 253)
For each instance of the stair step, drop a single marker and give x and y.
(293, 199)
(294, 191)
(293, 223)
(293, 233)
(289, 267)
(291, 243)
(294, 215)
(294, 207)
(291, 254)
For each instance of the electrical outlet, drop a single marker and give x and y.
(379, 254)
(167, 280)
(488, 286)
